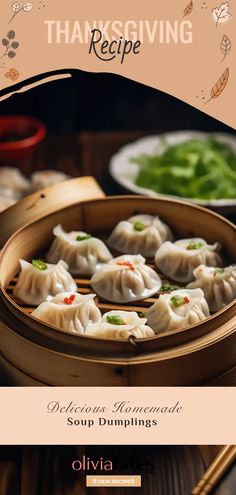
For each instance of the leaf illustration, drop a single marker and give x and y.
(225, 46)
(220, 85)
(27, 7)
(12, 74)
(11, 54)
(11, 35)
(15, 7)
(222, 14)
(15, 45)
(188, 9)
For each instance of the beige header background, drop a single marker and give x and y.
(191, 72)
(208, 416)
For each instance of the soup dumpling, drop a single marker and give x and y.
(125, 279)
(46, 178)
(11, 178)
(140, 234)
(178, 260)
(6, 202)
(218, 285)
(69, 311)
(179, 309)
(120, 325)
(39, 282)
(83, 253)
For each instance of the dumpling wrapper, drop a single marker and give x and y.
(83, 257)
(12, 178)
(177, 262)
(164, 317)
(35, 286)
(133, 326)
(126, 239)
(7, 192)
(72, 318)
(218, 285)
(126, 278)
(46, 178)
(6, 202)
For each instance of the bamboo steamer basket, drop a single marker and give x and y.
(34, 353)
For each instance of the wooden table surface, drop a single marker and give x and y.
(86, 153)
(168, 470)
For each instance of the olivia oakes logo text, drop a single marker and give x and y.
(124, 464)
(87, 464)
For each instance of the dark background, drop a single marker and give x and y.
(165, 470)
(90, 116)
(95, 102)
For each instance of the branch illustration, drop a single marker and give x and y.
(16, 9)
(10, 46)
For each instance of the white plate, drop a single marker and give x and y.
(125, 173)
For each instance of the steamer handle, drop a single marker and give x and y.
(79, 189)
(46, 201)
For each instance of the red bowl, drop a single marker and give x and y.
(19, 137)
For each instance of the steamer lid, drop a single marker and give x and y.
(46, 201)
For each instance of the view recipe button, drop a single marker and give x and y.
(111, 481)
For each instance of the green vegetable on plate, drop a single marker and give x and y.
(195, 168)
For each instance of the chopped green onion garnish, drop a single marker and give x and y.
(139, 226)
(195, 245)
(219, 271)
(169, 288)
(179, 300)
(83, 237)
(142, 314)
(40, 265)
(115, 320)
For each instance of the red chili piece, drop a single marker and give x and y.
(69, 300)
(126, 263)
